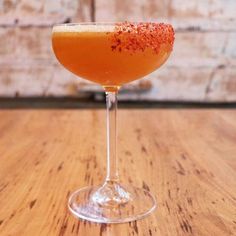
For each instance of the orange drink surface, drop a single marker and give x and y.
(112, 55)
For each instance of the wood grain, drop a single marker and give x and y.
(185, 157)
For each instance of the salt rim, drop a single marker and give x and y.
(83, 28)
(134, 37)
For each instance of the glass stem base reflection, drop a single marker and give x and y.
(111, 203)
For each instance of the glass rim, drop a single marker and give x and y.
(106, 23)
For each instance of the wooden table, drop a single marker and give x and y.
(187, 158)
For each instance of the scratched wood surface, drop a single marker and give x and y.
(185, 157)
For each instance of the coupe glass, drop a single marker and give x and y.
(112, 54)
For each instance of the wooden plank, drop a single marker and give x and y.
(39, 80)
(210, 9)
(185, 157)
(130, 10)
(201, 49)
(169, 83)
(184, 84)
(174, 84)
(222, 85)
(41, 13)
(25, 44)
(183, 14)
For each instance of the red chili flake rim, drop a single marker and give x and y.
(136, 37)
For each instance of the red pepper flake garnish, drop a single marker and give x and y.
(134, 37)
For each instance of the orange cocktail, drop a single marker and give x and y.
(112, 55)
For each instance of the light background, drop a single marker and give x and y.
(201, 68)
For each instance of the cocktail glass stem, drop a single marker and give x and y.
(111, 193)
(112, 161)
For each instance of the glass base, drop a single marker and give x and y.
(111, 203)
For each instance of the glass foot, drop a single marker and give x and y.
(111, 203)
